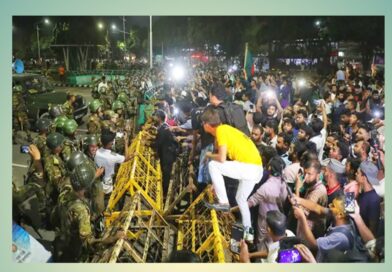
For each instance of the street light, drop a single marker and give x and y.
(114, 27)
(100, 25)
(47, 22)
(317, 23)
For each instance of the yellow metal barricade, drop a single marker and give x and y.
(147, 238)
(141, 173)
(205, 232)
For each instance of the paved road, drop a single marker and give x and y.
(21, 161)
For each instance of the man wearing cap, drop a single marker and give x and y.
(334, 175)
(368, 199)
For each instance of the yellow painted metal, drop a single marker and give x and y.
(141, 173)
(205, 232)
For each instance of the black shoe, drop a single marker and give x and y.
(217, 206)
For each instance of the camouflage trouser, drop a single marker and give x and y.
(20, 121)
(32, 203)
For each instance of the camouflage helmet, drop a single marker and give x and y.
(59, 123)
(91, 140)
(109, 113)
(82, 176)
(76, 159)
(43, 124)
(55, 111)
(95, 105)
(54, 140)
(70, 127)
(117, 105)
(122, 97)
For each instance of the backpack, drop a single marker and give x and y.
(358, 252)
(235, 116)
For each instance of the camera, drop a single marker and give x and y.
(24, 149)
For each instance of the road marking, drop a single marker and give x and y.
(20, 165)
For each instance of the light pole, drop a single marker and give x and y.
(150, 42)
(47, 22)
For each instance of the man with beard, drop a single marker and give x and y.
(334, 175)
(316, 192)
(282, 147)
(270, 131)
(257, 136)
(304, 133)
(362, 134)
(362, 150)
(291, 171)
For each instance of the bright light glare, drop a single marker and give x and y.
(269, 93)
(175, 111)
(183, 93)
(100, 25)
(301, 82)
(46, 21)
(377, 114)
(234, 67)
(114, 27)
(178, 73)
(317, 23)
(341, 54)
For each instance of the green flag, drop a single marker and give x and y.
(248, 62)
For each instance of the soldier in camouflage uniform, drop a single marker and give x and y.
(94, 120)
(70, 142)
(54, 167)
(43, 126)
(20, 120)
(75, 241)
(123, 97)
(59, 123)
(30, 199)
(55, 111)
(109, 121)
(67, 107)
(106, 98)
(96, 193)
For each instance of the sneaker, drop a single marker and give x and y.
(249, 234)
(217, 206)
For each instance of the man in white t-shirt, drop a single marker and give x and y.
(102, 84)
(320, 132)
(108, 159)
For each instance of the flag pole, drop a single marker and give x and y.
(245, 56)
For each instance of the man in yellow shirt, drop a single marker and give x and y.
(244, 164)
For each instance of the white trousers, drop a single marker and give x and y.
(247, 174)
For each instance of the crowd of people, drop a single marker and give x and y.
(297, 158)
